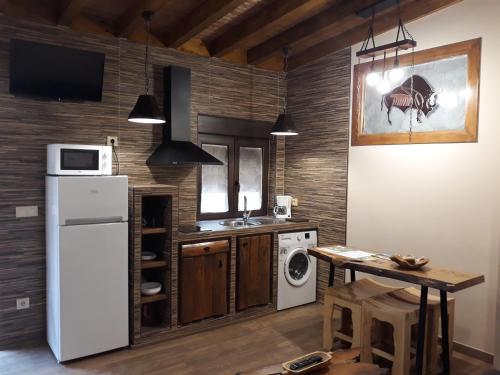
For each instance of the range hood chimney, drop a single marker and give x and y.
(176, 147)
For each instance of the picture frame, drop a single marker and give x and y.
(444, 114)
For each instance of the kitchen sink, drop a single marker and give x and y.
(238, 223)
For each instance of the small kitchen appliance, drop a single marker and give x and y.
(79, 160)
(283, 208)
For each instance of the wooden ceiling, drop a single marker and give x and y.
(242, 31)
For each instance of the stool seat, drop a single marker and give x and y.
(349, 297)
(360, 290)
(390, 304)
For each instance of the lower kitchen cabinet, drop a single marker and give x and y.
(253, 275)
(203, 280)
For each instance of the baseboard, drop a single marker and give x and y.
(473, 352)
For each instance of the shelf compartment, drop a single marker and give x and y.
(159, 230)
(148, 264)
(154, 298)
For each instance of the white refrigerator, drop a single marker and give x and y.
(87, 264)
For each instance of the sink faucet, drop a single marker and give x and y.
(246, 213)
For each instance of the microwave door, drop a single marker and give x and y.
(81, 161)
(87, 199)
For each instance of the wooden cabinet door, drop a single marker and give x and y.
(203, 281)
(253, 271)
(218, 284)
(195, 302)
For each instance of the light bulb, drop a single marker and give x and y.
(372, 78)
(395, 75)
(384, 86)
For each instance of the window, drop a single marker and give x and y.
(244, 173)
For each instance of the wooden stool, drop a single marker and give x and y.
(349, 296)
(402, 316)
(431, 355)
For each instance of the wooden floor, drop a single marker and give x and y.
(273, 338)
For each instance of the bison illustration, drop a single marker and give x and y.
(423, 98)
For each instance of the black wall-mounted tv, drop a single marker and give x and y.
(48, 71)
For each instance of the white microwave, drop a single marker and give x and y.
(79, 160)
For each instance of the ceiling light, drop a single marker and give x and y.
(284, 124)
(396, 75)
(384, 86)
(372, 78)
(146, 110)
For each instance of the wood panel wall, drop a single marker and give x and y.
(26, 125)
(316, 159)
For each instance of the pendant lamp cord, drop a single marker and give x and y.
(286, 52)
(147, 19)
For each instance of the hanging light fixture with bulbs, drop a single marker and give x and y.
(284, 124)
(383, 80)
(146, 110)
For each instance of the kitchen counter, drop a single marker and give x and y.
(209, 229)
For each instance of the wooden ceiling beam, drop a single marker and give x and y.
(200, 19)
(69, 10)
(132, 19)
(383, 22)
(240, 34)
(328, 19)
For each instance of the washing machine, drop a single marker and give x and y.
(296, 269)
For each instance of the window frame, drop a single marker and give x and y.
(220, 140)
(257, 143)
(234, 143)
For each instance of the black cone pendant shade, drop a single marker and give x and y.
(284, 125)
(146, 111)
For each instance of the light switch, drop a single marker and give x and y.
(26, 211)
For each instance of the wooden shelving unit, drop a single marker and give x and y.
(147, 264)
(152, 228)
(147, 231)
(154, 298)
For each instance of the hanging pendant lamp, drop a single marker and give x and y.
(284, 124)
(146, 110)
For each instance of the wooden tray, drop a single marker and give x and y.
(326, 358)
(410, 264)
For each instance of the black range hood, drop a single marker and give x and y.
(176, 147)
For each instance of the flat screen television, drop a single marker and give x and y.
(61, 73)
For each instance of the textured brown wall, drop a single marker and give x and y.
(26, 126)
(316, 160)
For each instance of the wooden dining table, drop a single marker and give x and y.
(430, 276)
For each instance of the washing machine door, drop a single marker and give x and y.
(298, 267)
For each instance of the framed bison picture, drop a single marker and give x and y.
(431, 97)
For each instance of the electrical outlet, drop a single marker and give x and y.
(23, 303)
(295, 202)
(110, 139)
(26, 211)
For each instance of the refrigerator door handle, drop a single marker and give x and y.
(94, 220)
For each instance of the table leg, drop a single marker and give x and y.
(353, 275)
(331, 277)
(445, 343)
(421, 330)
